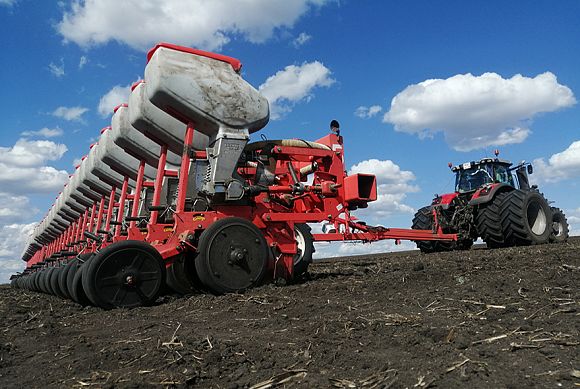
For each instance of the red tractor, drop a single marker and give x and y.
(493, 200)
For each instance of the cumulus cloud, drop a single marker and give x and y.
(560, 166)
(31, 153)
(12, 240)
(294, 84)
(117, 95)
(44, 132)
(200, 23)
(15, 209)
(368, 112)
(301, 39)
(57, 70)
(477, 111)
(70, 113)
(23, 167)
(393, 185)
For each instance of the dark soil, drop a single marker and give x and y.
(505, 318)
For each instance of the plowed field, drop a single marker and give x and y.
(505, 318)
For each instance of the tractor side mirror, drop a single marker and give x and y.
(530, 169)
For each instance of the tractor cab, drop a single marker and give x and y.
(471, 176)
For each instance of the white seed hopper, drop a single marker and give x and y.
(203, 88)
(159, 126)
(135, 143)
(118, 159)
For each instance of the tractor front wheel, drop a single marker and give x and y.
(423, 220)
(488, 222)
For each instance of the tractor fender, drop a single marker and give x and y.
(488, 192)
(444, 201)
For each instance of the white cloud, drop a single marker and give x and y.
(15, 209)
(477, 111)
(70, 113)
(31, 153)
(368, 112)
(8, 3)
(43, 179)
(44, 132)
(56, 70)
(23, 169)
(393, 185)
(200, 23)
(559, 166)
(294, 84)
(83, 61)
(12, 240)
(117, 95)
(301, 39)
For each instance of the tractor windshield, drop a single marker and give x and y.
(468, 180)
(501, 173)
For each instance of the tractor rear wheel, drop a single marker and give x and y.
(488, 222)
(305, 246)
(526, 218)
(126, 274)
(560, 228)
(423, 220)
(233, 256)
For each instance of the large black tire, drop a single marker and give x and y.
(126, 274)
(305, 247)
(488, 222)
(560, 228)
(423, 220)
(526, 218)
(232, 256)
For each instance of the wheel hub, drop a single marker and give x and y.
(233, 256)
(130, 280)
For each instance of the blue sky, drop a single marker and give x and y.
(505, 75)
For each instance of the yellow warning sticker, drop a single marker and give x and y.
(198, 218)
(167, 229)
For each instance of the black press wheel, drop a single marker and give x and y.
(181, 275)
(76, 290)
(126, 274)
(305, 246)
(233, 256)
